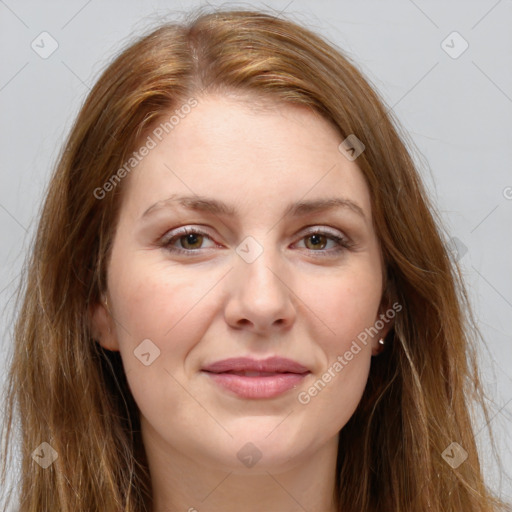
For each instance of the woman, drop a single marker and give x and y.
(239, 297)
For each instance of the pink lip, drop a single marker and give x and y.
(267, 378)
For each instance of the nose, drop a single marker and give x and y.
(261, 297)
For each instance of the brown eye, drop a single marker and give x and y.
(186, 241)
(319, 241)
(191, 241)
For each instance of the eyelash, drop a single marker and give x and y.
(343, 243)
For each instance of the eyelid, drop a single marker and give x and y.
(182, 231)
(343, 242)
(319, 228)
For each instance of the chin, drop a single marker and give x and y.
(256, 450)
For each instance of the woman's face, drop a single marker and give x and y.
(250, 280)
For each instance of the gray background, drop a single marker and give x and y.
(456, 111)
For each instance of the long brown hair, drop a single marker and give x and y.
(66, 390)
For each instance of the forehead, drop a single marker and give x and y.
(243, 155)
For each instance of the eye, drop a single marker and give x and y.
(317, 239)
(190, 240)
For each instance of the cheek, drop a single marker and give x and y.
(161, 314)
(347, 304)
(158, 323)
(335, 394)
(156, 306)
(336, 389)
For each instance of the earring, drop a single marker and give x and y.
(381, 341)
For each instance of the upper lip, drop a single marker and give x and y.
(270, 365)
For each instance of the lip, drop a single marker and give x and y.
(256, 379)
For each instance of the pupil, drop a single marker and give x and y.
(316, 239)
(191, 239)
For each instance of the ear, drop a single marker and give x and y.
(384, 321)
(103, 326)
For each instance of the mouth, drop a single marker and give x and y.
(256, 379)
(253, 374)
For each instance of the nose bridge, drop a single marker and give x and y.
(259, 292)
(258, 267)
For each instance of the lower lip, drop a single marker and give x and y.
(258, 387)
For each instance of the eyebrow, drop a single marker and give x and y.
(216, 207)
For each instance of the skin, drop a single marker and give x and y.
(211, 304)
